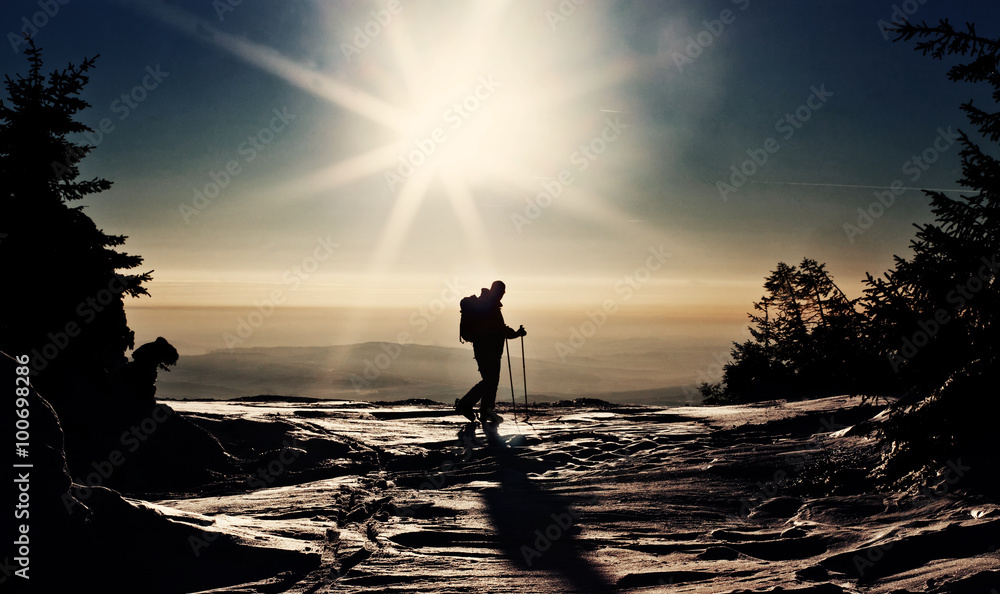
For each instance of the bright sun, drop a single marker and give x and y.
(474, 97)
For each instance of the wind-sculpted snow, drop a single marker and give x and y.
(592, 498)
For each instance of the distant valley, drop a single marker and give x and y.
(639, 371)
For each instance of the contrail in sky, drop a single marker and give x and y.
(859, 186)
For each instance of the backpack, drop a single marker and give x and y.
(474, 312)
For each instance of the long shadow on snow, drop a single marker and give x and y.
(535, 528)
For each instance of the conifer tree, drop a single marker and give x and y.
(936, 311)
(63, 303)
(934, 315)
(805, 341)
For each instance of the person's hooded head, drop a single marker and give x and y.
(497, 290)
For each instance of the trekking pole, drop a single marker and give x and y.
(524, 374)
(511, 375)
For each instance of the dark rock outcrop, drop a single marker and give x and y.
(79, 534)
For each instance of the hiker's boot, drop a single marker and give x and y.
(465, 410)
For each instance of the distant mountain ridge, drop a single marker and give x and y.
(384, 371)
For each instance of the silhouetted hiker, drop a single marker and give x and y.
(482, 325)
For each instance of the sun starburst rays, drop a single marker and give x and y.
(400, 219)
(479, 105)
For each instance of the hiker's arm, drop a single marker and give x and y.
(511, 333)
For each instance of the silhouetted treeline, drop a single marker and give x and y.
(65, 281)
(807, 339)
(937, 311)
(925, 331)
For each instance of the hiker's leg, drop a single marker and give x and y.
(490, 370)
(472, 396)
(476, 393)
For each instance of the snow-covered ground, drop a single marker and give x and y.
(590, 498)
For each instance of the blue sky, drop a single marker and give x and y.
(665, 121)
